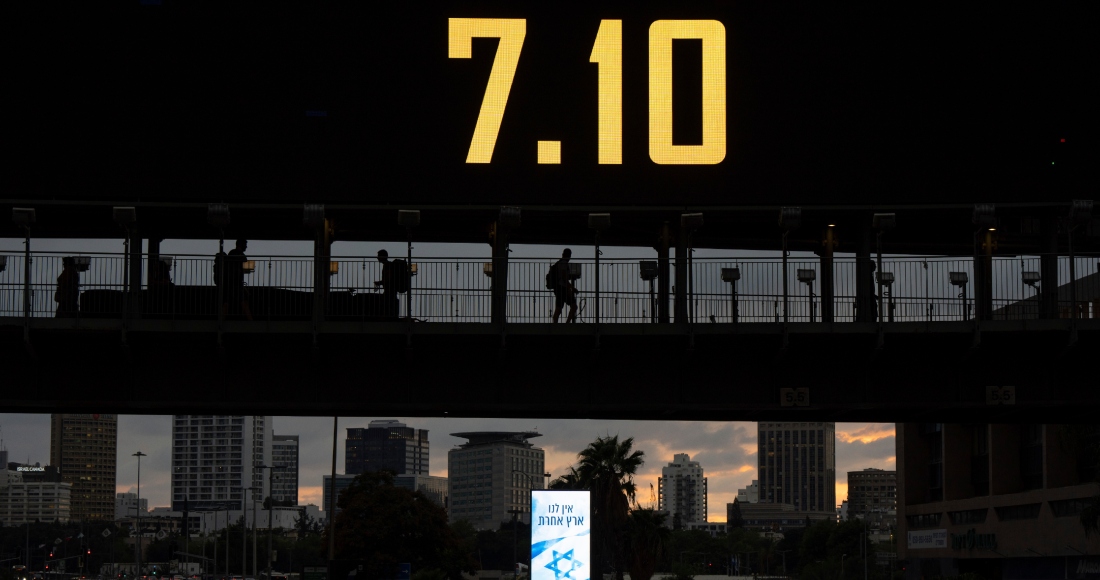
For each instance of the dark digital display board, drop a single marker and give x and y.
(601, 103)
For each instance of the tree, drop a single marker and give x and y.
(569, 481)
(648, 540)
(606, 468)
(381, 525)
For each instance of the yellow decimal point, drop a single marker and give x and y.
(549, 152)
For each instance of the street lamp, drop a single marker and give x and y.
(732, 275)
(960, 279)
(139, 455)
(270, 507)
(515, 513)
(807, 277)
(886, 280)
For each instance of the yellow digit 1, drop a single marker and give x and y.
(661, 149)
(607, 52)
(511, 32)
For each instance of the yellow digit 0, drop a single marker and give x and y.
(607, 52)
(661, 149)
(511, 32)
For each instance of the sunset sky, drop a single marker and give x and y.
(726, 450)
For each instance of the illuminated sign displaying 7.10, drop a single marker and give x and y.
(607, 53)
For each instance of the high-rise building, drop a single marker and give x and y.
(84, 447)
(22, 501)
(215, 456)
(871, 491)
(682, 490)
(797, 465)
(1001, 500)
(386, 445)
(284, 457)
(492, 473)
(749, 493)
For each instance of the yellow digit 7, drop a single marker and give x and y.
(661, 149)
(511, 32)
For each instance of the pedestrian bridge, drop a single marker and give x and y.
(736, 338)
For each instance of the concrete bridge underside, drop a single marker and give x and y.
(894, 372)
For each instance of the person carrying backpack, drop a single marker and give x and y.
(562, 285)
(391, 283)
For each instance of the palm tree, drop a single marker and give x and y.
(568, 481)
(648, 539)
(607, 467)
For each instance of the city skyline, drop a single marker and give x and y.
(726, 450)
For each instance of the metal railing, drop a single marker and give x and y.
(459, 290)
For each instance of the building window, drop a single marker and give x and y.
(1063, 508)
(1029, 511)
(924, 520)
(968, 516)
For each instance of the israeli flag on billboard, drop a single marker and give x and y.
(561, 535)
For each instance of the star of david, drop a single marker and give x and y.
(557, 564)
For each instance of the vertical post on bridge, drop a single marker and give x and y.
(664, 242)
(827, 290)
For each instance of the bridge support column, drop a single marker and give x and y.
(664, 241)
(680, 305)
(827, 275)
(499, 292)
(865, 280)
(1048, 266)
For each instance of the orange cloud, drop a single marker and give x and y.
(310, 494)
(867, 434)
(841, 491)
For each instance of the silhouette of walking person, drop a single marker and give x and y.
(67, 295)
(564, 291)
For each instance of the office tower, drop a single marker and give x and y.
(44, 499)
(493, 473)
(682, 490)
(215, 456)
(84, 447)
(284, 456)
(871, 491)
(797, 465)
(386, 445)
(998, 500)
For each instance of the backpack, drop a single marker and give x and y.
(400, 276)
(552, 278)
(219, 265)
